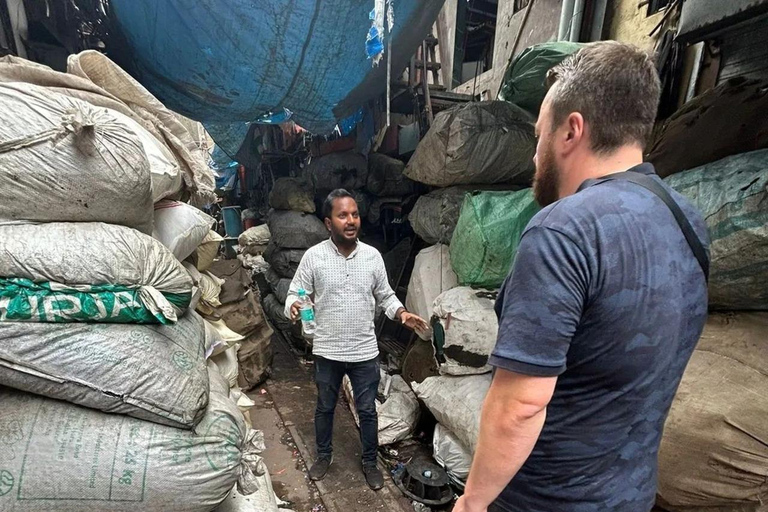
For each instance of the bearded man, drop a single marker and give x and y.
(602, 309)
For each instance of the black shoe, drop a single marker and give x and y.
(373, 477)
(320, 468)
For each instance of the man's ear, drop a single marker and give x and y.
(327, 223)
(575, 132)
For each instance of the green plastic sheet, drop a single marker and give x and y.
(487, 235)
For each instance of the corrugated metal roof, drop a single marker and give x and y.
(701, 18)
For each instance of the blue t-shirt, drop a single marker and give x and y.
(605, 293)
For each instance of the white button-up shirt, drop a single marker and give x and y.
(346, 292)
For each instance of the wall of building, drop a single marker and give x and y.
(629, 23)
(540, 27)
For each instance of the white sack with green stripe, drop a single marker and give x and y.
(732, 194)
(75, 272)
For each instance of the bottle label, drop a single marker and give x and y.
(307, 314)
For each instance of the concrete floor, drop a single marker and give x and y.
(284, 411)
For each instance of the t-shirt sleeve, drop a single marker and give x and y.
(540, 304)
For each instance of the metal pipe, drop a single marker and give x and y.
(566, 13)
(598, 20)
(576, 20)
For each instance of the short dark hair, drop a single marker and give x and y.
(615, 86)
(339, 193)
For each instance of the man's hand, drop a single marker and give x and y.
(462, 505)
(413, 322)
(295, 313)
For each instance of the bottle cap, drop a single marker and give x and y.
(302, 292)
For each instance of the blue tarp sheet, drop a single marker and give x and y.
(230, 61)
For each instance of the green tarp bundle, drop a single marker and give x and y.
(524, 81)
(732, 194)
(487, 235)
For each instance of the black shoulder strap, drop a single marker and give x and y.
(652, 185)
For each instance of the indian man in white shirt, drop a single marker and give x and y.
(347, 281)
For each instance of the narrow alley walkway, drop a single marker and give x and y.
(284, 411)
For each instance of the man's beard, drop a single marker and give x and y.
(546, 181)
(339, 237)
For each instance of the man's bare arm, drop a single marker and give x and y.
(513, 416)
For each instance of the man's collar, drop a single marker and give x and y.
(335, 248)
(643, 168)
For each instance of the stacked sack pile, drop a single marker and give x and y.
(714, 453)
(481, 154)
(293, 228)
(109, 399)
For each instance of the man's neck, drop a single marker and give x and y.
(344, 247)
(594, 166)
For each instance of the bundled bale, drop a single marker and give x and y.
(732, 194)
(525, 80)
(456, 403)
(733, 110)
(247, 318)
(347, 170)
(219, 337)
(292, 194)
(432, 275)
(111, 80)
(487, 235)
(279, 285)
(396, 406)
(207, 250)
(363, 201)
(85, 163)
(165, 173)
(295, 230)
(713, 454)
(275, 313)
(89, 272)
(476, 143)
(434, 216)
(226, 364)
(283, 261)
(386, 178)
(253, 241)
(73, 458)
(243, 314)
(155, 373)
(255, 358)
(379, 204)
(451, 454)
(181, 227)
(469, 327)
(171, 159)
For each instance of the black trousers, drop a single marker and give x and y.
(364, 377)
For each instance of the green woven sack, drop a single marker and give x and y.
(732, 194)
(487, 235)
(524, 81)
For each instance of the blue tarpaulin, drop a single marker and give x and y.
(231, 61)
